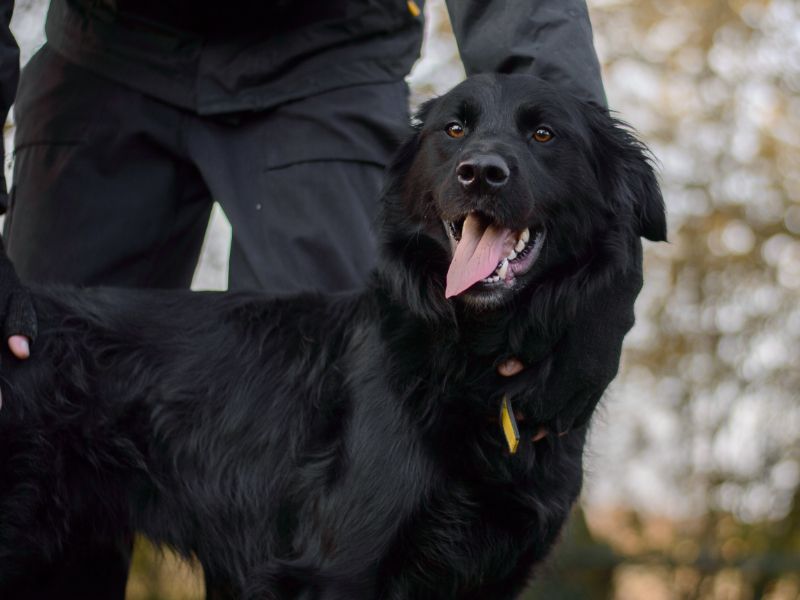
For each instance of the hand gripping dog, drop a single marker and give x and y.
(16, 305)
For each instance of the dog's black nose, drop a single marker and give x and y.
(489, 171)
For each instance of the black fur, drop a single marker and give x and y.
(347, 447)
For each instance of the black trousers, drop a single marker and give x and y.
(113, 187)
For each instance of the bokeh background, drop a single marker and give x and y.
(693, 479)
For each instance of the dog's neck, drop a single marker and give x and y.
(504, 331)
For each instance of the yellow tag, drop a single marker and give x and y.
(509, 424)
(413, 8)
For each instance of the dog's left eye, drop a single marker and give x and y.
(455, 130)
(542, 135)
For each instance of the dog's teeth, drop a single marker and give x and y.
(520, 246)
(512, 256)
(501, 273)
(526, 235)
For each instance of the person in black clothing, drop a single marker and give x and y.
(137, 114)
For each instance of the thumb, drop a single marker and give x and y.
(510, 367)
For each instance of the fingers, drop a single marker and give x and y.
(540, 434)
(19, 346)
(543, 432)
(510, 367)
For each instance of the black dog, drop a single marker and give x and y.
(353, 447)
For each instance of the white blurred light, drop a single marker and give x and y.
(738, 238)
(792, 219)
(785, 474)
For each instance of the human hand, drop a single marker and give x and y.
(20, 346)
(17, 314)
(510, 367)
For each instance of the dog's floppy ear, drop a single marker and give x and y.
(406, 255)
(400, 190)
(645, 192)
(625, 166)
(404, 155)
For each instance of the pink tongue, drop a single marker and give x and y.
(477, 254)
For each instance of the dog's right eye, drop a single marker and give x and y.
(455, 130)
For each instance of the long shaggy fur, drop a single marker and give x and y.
(345, 447)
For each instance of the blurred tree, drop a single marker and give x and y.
(703, 422)
(712, 87)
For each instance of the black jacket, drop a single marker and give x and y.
(257, 54)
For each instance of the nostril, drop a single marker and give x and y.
(465, 173)
(496, 175)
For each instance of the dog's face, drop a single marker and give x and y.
(512, 178)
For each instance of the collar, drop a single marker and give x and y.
(508, 424)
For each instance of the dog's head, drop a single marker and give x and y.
(507, 181)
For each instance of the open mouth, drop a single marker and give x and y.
(487, 254)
